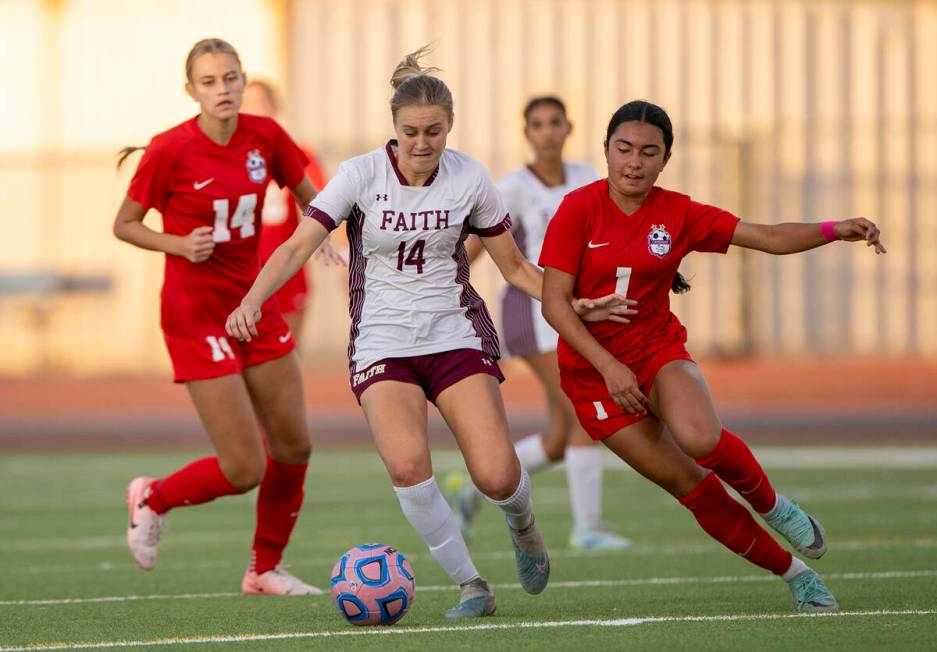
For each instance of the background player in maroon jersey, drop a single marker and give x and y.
(207, 176)
(626, 382)
(281, 215)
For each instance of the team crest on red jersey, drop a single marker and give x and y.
(659, 241)
(256, 166)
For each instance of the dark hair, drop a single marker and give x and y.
(543, 99)
(644, 111)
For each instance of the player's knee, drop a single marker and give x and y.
(497, 484)
(294, 451)
(555, 447)
(244, 474)
(407, 473)
(699, 438)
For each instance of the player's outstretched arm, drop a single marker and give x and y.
(129, 227)
(558, 311)
(514, 267)
(790, 237)
(288, 258)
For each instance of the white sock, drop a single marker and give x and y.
(796, 568)
(531, 453)
(518, 509)
(430, 515)
(584, 476)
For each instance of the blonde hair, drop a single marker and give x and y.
(205, 46)
(414, 84)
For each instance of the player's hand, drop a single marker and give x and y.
(242, 323)
(859, 228)
(198, 245)
(623, 388)
(327, 253)
(611, 307)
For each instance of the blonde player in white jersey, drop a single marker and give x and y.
(531, 196)
(419, 331)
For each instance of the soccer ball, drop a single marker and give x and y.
(373, 584)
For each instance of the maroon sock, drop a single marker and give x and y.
(199, 482)
(729, 523)
(278, 505)
(733, 462)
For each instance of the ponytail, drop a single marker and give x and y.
(124, 153)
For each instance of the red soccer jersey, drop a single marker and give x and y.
(194, 182)
(636, 255)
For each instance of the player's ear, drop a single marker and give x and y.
(666, 158)
(190, 91)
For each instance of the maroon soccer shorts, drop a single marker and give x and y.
(433, 372)
(599, 415)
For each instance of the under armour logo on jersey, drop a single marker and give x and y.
(380, 197)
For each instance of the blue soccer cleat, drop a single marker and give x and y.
(810, 593)
(598, 538)
(532, 558)
(802, 530)
(475, 601)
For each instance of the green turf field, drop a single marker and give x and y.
(66, 581)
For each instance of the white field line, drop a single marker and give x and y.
(584, 584)
(401, 631)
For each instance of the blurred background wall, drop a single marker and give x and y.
(783, 111)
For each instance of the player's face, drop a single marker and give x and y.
(217, 85)
(636, 157)
(546, 131)
(421, 137)
(257, 101)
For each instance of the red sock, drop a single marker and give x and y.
(729, 523)
(278, 505)
(199, 482)
(733, 462)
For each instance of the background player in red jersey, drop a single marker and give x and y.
(626, 235)
(280, 216)
(207, 176)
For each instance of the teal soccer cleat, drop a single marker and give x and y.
(802, 530)
(532, 558)
(810, 593)
(476, 601)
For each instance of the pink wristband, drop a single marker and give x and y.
(828, 230)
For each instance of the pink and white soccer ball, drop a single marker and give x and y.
(373, 584)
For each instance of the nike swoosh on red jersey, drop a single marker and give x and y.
(198, 185)
(596, 246)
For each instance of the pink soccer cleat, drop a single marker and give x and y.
(276, 582)
(144, 526)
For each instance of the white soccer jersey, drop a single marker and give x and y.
(408, 274)
(531, 204)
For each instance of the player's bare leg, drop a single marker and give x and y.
(396, 414)
(225, 410)
(275, 388)
(681, 396)
(652, 451)
(474, 411)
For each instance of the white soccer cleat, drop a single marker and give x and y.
(276, 582)
(144, 526)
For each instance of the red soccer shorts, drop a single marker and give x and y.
(599, 415)
(213, 353)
